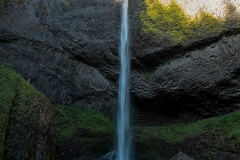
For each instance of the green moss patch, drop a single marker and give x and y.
(82, 132)
(170, 23)
(228, 125)
(212, 136)
(81, 124)
(14, 91)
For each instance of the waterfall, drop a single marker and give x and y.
(123, 131)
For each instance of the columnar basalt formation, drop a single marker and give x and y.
(69, 51)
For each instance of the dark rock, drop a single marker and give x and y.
(59, 54)
(62, 79)
(69, 51)
(206, 82)
(181, 156)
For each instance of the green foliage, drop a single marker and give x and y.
(170, 23)
(81, 124)
(234, 134)
(225, 125)
(14, 90)
(209, 137)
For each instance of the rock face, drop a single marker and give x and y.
(205, 81)
(58, 53)
(69, 51)
(181, 156)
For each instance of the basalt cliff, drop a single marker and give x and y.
(68, 50)
(185, 55)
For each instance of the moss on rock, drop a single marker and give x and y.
(170, 23)
(208, 137)
(26, 129)
(80, 130)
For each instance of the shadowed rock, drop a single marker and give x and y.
(204, 81)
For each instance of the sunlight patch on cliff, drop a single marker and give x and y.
(181, 21)
(215, 7)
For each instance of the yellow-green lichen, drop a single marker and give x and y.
(170, 23)
(65, 2)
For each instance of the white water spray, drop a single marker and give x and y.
(124, 137)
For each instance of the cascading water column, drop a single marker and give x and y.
(124, 138)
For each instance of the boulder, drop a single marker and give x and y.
(110, 156)
(181, 156)
(31, 135)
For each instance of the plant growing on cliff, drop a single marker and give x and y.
(9, 97)
(208, 130)
(70, 121)
(170, 23)
(228, 124)
(13, 96)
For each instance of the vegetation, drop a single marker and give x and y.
(14, 92)
(81, 124)
(89, 126)
(170, 23)
(82, 131)
(202, 131)
(228, 124)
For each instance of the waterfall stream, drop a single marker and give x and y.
(123, 131)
